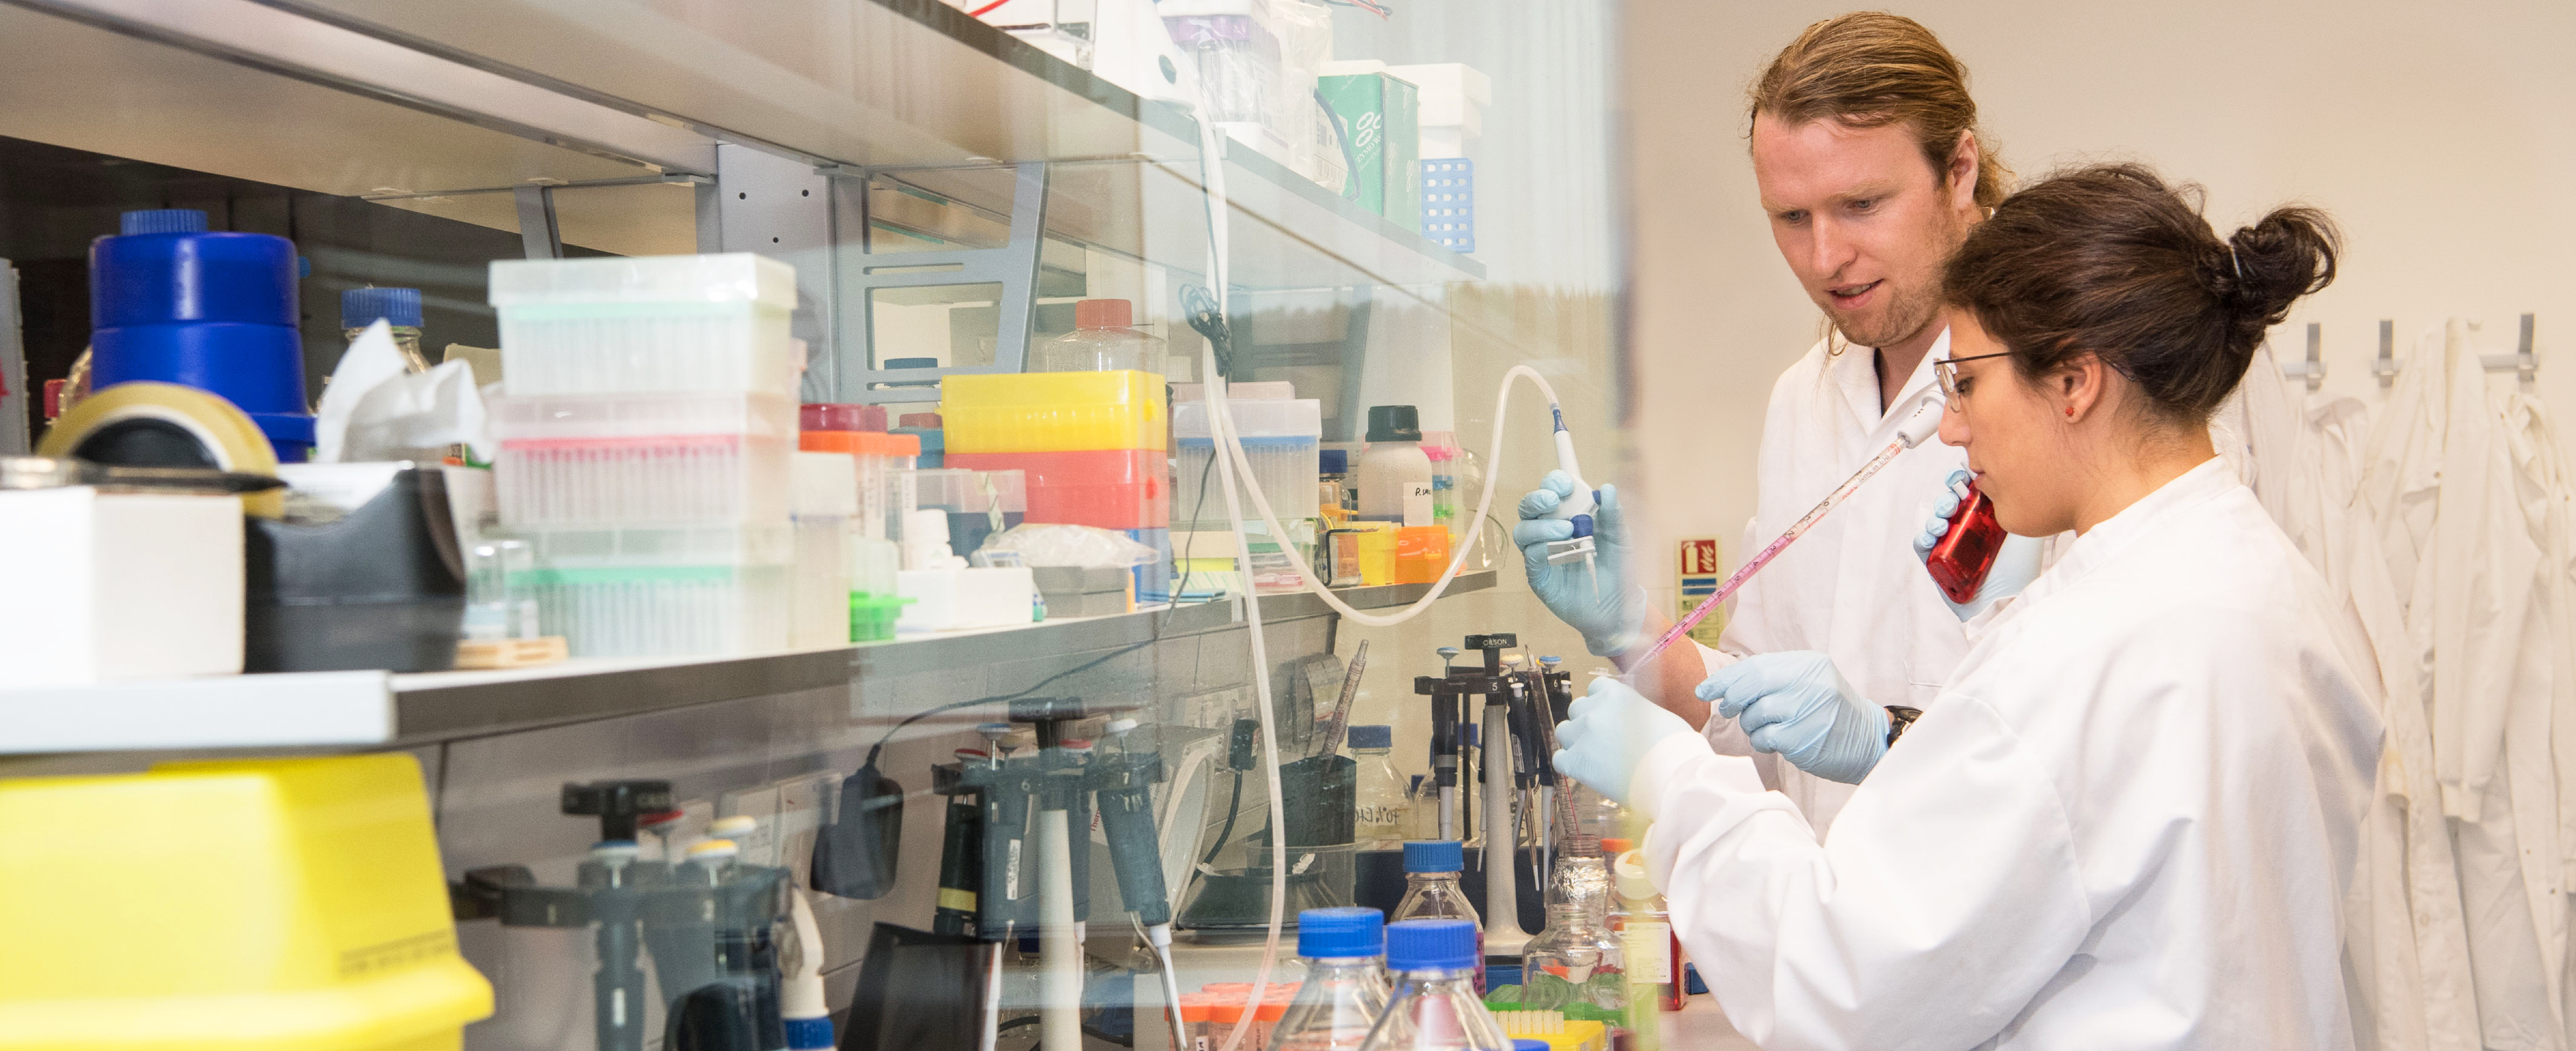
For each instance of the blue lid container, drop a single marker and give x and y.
(360, 307)
(1434, 855)
(1332, 461)
(1372, 737)
(1430, 945)
(1347, 931)
(172, 303)
(162, 221)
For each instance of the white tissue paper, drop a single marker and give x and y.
(373, 410)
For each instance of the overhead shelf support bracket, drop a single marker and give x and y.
(1013, 266)
(538, 231)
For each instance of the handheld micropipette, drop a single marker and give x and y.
(1576, 508)
(1921, 425)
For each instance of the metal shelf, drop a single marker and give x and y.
(374, 709)
(918, 91)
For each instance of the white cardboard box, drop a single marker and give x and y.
(106, 587)
(949, 599)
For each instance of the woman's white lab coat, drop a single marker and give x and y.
(2128, 823)
(1851, 587)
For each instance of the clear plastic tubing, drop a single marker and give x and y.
(1926, 419)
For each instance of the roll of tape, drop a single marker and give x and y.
(145, 424)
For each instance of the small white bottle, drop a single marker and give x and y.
(1395, 474)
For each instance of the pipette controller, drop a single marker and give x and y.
(1925, 421)
(1576, 508)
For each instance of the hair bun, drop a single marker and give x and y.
(2270, 264)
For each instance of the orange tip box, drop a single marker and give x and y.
(1108, 488)
(1039, 412)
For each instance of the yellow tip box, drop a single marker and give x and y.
(279, 905)
(1044, 412)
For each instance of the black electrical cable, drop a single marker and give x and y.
(1095, 662)
(1233, 806)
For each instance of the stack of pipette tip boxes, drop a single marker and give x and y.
(1091, 447)
(647, 427)
(1282, 437)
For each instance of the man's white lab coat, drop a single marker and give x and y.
(2128, 822)
(1851, 587)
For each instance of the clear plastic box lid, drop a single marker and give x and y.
(544, 416)
(734, 277)
(960, 489)
(1293, 418)
(643, 545)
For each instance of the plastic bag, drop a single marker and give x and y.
(1084, 547)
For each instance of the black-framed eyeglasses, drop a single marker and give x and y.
(1946, 370)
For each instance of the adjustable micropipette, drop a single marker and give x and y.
(1576, 508)
(1921, 425)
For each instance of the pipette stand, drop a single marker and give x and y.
(1444, 746)
(699, 936)
(1061, 908)
(1503, 934)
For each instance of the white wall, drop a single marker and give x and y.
(2440, 136)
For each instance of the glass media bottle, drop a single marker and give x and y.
(1577, 960)
(1346, 986)
(1432, 892)
(1381, 793)
(1436, 1005)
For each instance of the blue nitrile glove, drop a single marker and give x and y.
(1607, 733)
(2016, 563)
(1796, 704)
(1598, 602)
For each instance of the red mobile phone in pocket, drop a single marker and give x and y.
(1959, 562)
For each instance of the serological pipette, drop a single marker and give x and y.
(1921, 425)
(1576, 508)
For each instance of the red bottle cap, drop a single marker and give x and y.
(1103, 313)
(825, 416)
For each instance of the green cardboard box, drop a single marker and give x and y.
(1383, 116)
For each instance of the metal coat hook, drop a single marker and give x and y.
(2521, 361)
(2313, 369)
(2385, 367)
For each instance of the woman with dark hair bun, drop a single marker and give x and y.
(2131, 817)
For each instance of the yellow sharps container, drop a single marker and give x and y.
(281, 905)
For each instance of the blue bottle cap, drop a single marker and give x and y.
(162, 221)
(1333, 461)
(1372, 737)
(1434, 855)
(360, 307)
(805, 1033)
(1529, 1045)
(1429, 945)
(1340, 932)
